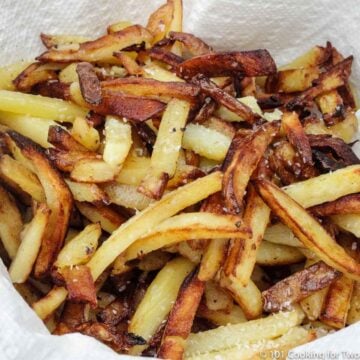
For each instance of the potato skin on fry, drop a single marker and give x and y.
(246, 63)
(298, 286)
(89, 83)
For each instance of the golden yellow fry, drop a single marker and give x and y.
(32, 127)
(281, 234)
(348, 222)
(222, 317)
(49, 303)
(10, 72)
(85, 134)
(158, 300)
(153, 71)
(30, 244)
(354, 311)
(39, 106)
(92, 171)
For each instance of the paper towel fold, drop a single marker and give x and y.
(286, 28)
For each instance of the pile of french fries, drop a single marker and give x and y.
(174, 201)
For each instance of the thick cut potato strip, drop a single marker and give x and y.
(206, 142)
(247, 296)
(39, 106)
(222, 317)
(87, 192)
(302, 284)
(247, 63)
(242, 253)
(155, 213)
(166, 149)
(225, 337)
(32, 127)
(354, 310)
(92, 171)
(270, 254)
(159, 90)
(79, 249)
(158, 300)
(216, 298)
(307, 229)
(281, 234)
(13, 172)
(101, 49)
(181, 317)
(296, 336)
(153, 71)
(10, 72)
(326, 187)
(133, 170)
(182, 227)
(337, 303)
(348, 222)
(58, 40)
(58, 198)
(126, 196)
(118, 142)
(62, 139)
(85, 134)
(29, 248)
(109, 219)
(11, 223)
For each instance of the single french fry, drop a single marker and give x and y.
(166, 149)
(109, 219)
(222, 317)
(228, 336)
(282, 235)
(85, 134)
(92, 171)
(354, 310)
(118, 142)
(133, 170)
(337, 303)
(158, 300)
(87, 192)
(32, 127)
(39, 106)
(30, 244)
(59, 40)
(118, 26)
(10, 72)
(348, 222)
(153, 71)
(216, 298)
(12, 171)
(79, 249)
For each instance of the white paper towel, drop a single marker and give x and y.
(286, 28)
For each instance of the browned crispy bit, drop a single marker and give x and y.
(181, 318)
(89, 83)
(135, 108)
(94, 119)
(109, 336)
(62, 140)
(347, 96)
(159, 53)
(115, 312)
(76, 220)
(287, 292)
(326, 162)
(207, 109)
(220, 125)
(152, 88)
(269, 101)
(348, 204)
(80, 284)
(73, 314)
(53, 88)
(297, 137)
(191, 158)
(244, 162)
(32, 75)
(66, 160)
(101, 49)
(195, 45)
(59, 200)
(246, 63)
(334, 78)
(146, 134)
(131, 66)
(222, 97)
(332, 107)
(336, 146)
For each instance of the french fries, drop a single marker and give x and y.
(173, 195)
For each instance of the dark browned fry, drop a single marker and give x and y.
(207, 109)
(246, 63)
(131, 107)
(115, 312)
(66, 160)
(33, 75)
(195, 45)
(244, 161)
(80, 284)
(336, 146)
(181, 318)
(89, 83)
(99, 49)
(59, 200)
(298, 286)
(349, 204)
(108, 335)
(297, 137)
(158, 53)
(53, 88)
(73, 314)
(152, 88)
(145, 132)
(269, 101)
(222, 97)
(62, 140)
(326, 162)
